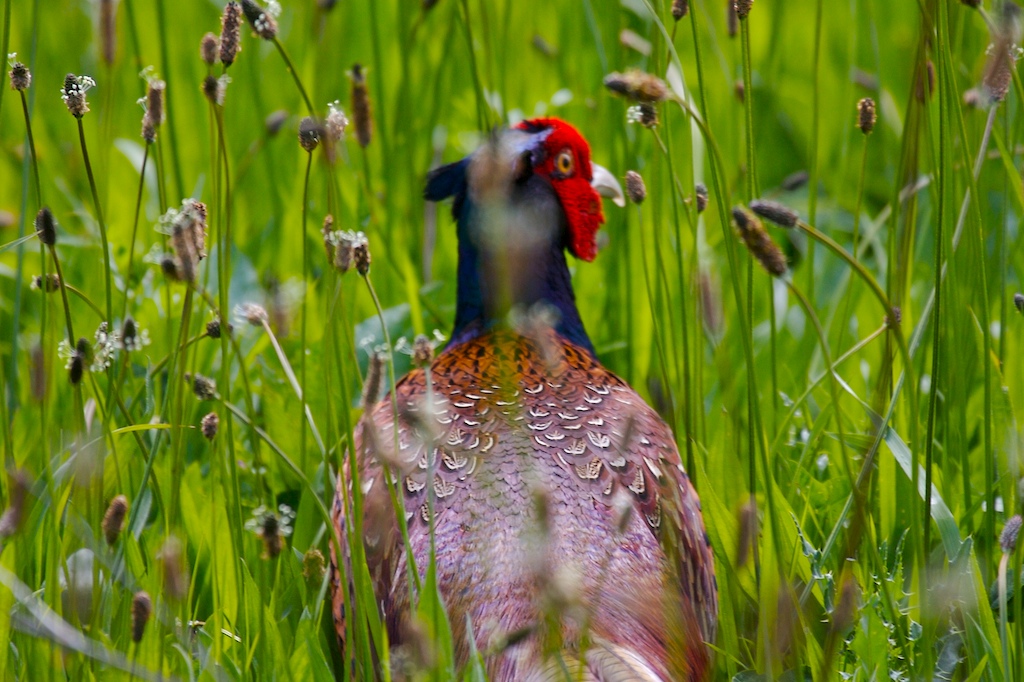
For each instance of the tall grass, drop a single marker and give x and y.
(871, 396)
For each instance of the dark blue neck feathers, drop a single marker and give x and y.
(523, 272)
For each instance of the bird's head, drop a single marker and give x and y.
(555, 151)
(527, 195)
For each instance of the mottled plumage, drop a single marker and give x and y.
(555, 488)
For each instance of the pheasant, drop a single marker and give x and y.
(569, 540)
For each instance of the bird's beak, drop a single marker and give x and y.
(606, 185)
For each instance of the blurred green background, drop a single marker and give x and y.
(659, 302)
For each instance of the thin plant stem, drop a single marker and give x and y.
(296, 386)
(135, 228)
(685, 332)
(933, 391)
(99, 219)
(178, 412)
(172, 134)
(32, 147)
(844, 318)
(812, 176)
(305, 307)
(63, 294)
(295, 75)
(413, 572)
(6, 43)
(1003, 616)
(85, 299)
(655, 318)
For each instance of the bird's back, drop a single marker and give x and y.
(561, 514)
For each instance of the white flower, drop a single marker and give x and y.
(336, 121)
(251, 313)
(285, 516)
(66, 351)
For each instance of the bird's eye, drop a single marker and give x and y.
(564, 163)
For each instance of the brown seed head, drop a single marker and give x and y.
(230, 34)
(344, 251)
(732, 21)
(46, 226)
(172, 561)
(747, 531)
(10, 521)
(84, 348)
(361, 254)
(638, 86)
(313, 567)
(204, 388)
(1018, 301)
(49, 284)
(680, 8)
(372, 382)
(647, 115)
(154, 115)
(188, 237)
(262, 23)
(422, 351)
(212, 90)
(76, 369)
(309, 133)
(170, 268)
(795, 181)
(700, 193)
(142, 609)
(270, 533)
(155, 101)
(783, 216)
(846, 607)
(758, 242)
(108, 30)
(274, 121)
(113, 519)
(743, 8)
(73, 94)
(21, 77)
(185, 257)
(253, 313)
(326, 231)
(130, 339)
(208, 425)
(636, 190)
(924, 86)
(209, 48)
(362, 118)
(894, 318)
(972, 98)
(194, 213)
(866, 115)
(1008, 538)
(334, 128)
(1002, 60)
(336, 122)
(213, 328)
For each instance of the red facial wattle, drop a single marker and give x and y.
(580, 201)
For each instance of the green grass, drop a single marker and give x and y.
(879, 460)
